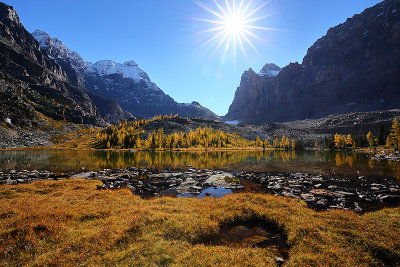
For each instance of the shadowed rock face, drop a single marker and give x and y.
(354, 67)
(23, 61)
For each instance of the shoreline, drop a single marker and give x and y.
(319, 192)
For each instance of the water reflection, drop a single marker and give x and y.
(210, 192)
(324, 162)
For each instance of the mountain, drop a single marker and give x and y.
(31, 81)
(125, 83)
(73, 65)
(354, 67)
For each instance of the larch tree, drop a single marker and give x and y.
(370, 139)
(395, 134)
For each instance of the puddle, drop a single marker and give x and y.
(209, 192)
(257, 236)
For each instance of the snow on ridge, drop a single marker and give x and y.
(128, 69)
(270, 70)
(270, 73)
(40, 36)
(55, 44)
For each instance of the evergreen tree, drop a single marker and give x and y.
(382, 134)
(370, 139)
(395, 134)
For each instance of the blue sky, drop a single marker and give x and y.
(164, 40)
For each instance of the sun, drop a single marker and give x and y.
(234, 24)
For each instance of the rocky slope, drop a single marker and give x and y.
(354, 67)
(32, 80)
(308, 131)
(125, 83)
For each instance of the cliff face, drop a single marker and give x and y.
(354, 67)
(36, 80)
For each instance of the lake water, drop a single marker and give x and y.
(348, 164)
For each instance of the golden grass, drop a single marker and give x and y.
(70, 222)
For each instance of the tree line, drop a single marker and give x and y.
(130, 135)
(387, 137)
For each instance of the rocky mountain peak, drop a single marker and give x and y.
(7, 13)
(360, 31)
(128, 69)
(131, 63)
(57, 50)
(353, 68)
(41, 36)
(270, 70)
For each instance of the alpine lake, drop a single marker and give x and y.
(324, 179)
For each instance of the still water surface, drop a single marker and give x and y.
(349, 164)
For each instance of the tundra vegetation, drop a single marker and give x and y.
(70, 222)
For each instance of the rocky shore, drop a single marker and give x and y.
(320, 192)
(386, 157)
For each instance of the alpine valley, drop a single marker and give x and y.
(100, 167)
(353, 68)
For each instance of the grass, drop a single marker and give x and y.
(70, 222)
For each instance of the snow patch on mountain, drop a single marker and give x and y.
(57, 48)
(270, 70)
(128, 69)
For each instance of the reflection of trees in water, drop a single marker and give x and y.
(345, 158)
(20, 159)
(395, 167)
(74, 160)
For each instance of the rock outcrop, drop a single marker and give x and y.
(354, 67)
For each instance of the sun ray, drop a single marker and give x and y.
(239, 10)
(255, 19)
(213, 29)
(256, 9)
(211, 11)
(242, 48)
(219, 45)
(251, 44)
(228, 8)
(246, 7)
(255, 36)
(236, 25)
(213, 38)
(209, 20)
(234, 50)
(262, 28)
(221, 9)
(226, 48)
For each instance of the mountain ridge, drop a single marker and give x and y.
(354, 67)
(125, 83)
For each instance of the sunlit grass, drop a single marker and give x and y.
(70, 222)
